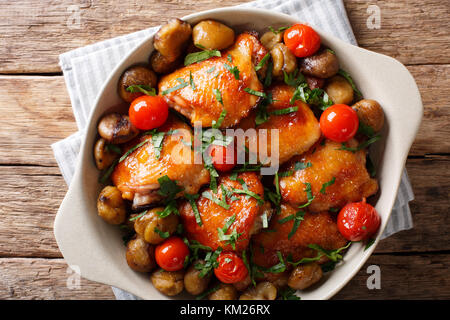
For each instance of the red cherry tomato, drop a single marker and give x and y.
(147, 112)
(339, 123)
(231, 268)
(171, 254)
(223, 158)
(302, 40)
(358, 221)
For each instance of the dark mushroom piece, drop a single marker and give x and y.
(117, 128)
(323, 64)
(136, 75)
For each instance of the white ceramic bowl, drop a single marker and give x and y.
(96, 248)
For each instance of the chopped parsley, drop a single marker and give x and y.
(218, 123)
(207, 292)
(131, 150)
(233, 70)
(168, 188)
(294, 79)
(255, 93)
(113, 148)
(308, 195)
(200, 56)
(138, 216)
(171, 207)
(218, 95)
(182, 85)
(191, 199)
(220, 202)
(211, 70)
(347, 77)
(142, 88)
(262, 62)
(280, 112)
(288, 294)
(210, 263)
(162, 234)
(333, 255)
(301, 165)
(278, 268)
(191, 81)
(361, 146)
(327, 184)
(298, 217)
(268, 79)
(369, 243)
(231, 238)
(281, 29)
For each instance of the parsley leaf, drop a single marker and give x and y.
(207, 292)
(327, 184)
(369, 243)
(301, 165)
(294, 79)
(288, 294)
(142, 88)
(200, 56)
(221, 202)
(182, 85)
(347, 77)
(233, 70)
(268, 79)
(210, 263)
(218, 123)
(262, 62)
(281, 29)
(280, 112)
(308, 195)
(361, 146)
(163, 235)
(218, 95)
(191, 198)
(278, 268)
(233, 236)
(191, 81)
(255, 93)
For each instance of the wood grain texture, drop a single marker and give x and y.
(415, 32)
(402, 277)
(37, 110)
(46, 279)
(30, 197)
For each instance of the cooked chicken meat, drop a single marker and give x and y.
(336, 177)
(137, 176)
(297, 131)
(316, 228)
(216, 88)
(246, 209)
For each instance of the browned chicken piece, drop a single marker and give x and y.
(336, 177)
(297, 131)
(137, 176)
(214, 82)
(316, 228)
(246, 209)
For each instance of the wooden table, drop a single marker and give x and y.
(36, 112)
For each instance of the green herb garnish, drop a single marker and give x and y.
(233, 70)
(347, 77)
(182, 85)
(308, 195)
(200, 56)
(162, 234)
(255, 93)
(192, 198)
(327, 184)
(218, 123)
(280, 112)
(361, 146)
(142, 88)
(218, 95)
(221, 202)
(262, 62)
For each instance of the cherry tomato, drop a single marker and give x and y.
(231, 268)
(302, 40)
(358, 221)
(339, 123)
(147, 112)
(171, 254)
(223, 158)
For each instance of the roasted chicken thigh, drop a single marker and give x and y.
(246, 210)
(137, 176)
(214, 87)
(297, 131)
(335, 176)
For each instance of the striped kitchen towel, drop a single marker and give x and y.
(85, 70)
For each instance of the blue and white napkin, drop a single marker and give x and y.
(85, 70)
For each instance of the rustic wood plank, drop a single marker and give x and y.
(415, 32)
(46, 279)
(37, 110)
(402, 277)
(30, 197)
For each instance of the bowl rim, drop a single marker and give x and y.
(64, 244)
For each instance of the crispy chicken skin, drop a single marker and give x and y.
(246, 209)
(298, 131)
(316, 228)
(352, 181)
(201, 104)
(137, 176)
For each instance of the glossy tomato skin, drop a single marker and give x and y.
(358, 221)
(231, 268)
(339, 123)
(148, 112)
(223, 158)
(171, 254)
(302, 40)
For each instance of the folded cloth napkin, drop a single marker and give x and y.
(85, 70)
